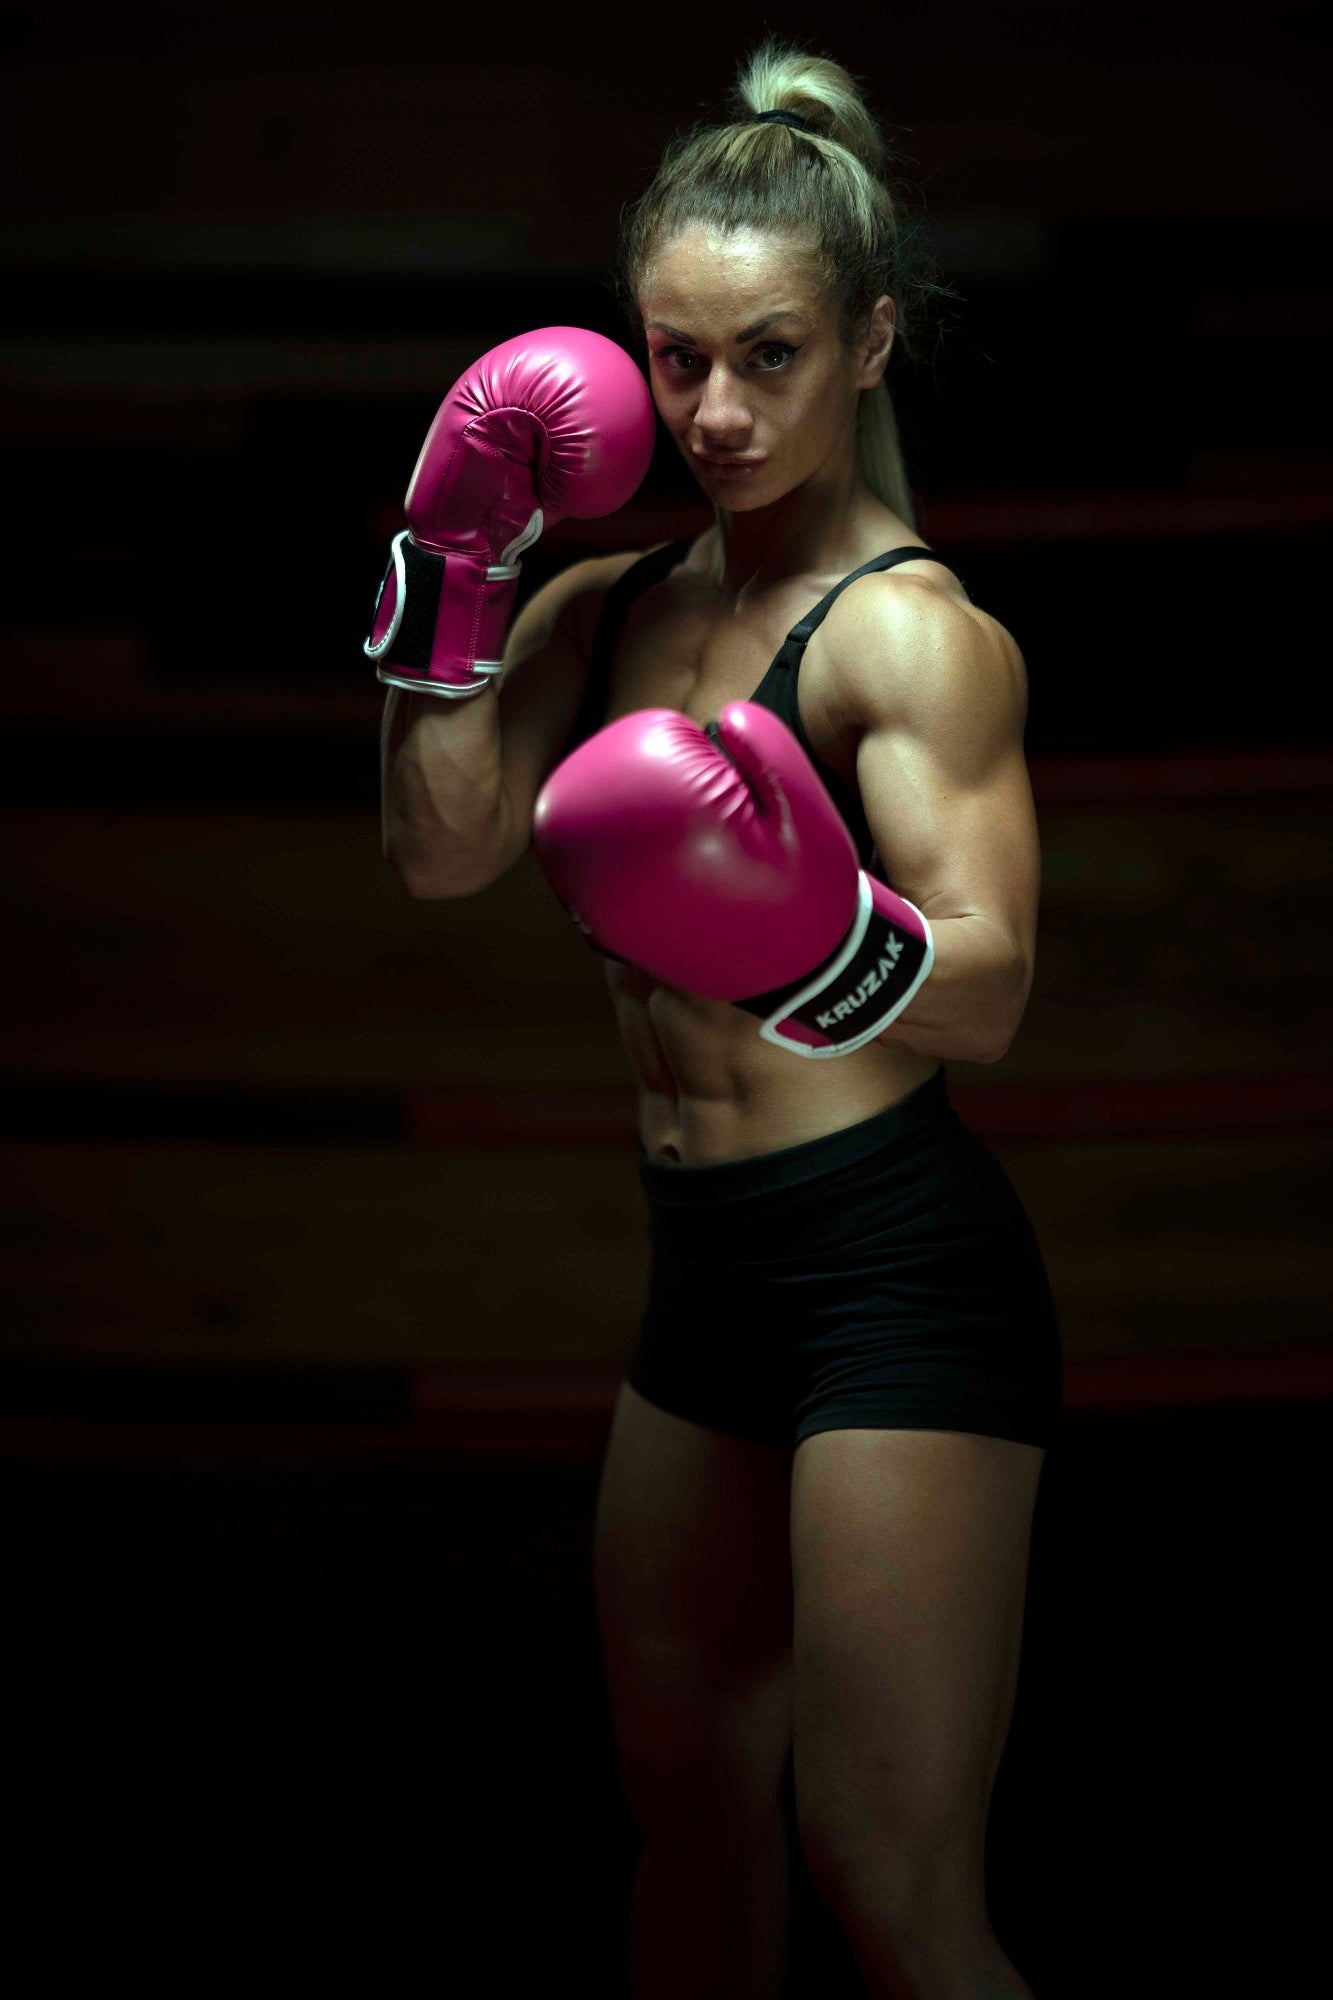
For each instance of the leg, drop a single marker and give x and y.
(910, 1552)
(693, 1576)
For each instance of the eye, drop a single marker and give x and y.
(669, 357)
(781, 348)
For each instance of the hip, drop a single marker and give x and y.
(908, 1175)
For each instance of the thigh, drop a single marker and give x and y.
(942, 1320)
(692, 1566)
(910, 1552)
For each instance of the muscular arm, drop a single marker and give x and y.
(936, 693)
(458, 778)
(443, 806)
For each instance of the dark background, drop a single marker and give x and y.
(324, 1246)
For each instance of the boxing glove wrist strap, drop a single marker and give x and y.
(441, 617)
(861, 988)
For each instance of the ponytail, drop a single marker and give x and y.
(879, 452)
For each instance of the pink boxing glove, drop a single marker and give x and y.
(715, 859)
(553, 423)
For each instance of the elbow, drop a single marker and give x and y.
(427, 871)
(996, 1034)
(430, 889)
(427, 884)
(423, 885)
(993, 1043)
(436, 870)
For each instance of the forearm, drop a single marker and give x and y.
(443, 807)
(969, 1008)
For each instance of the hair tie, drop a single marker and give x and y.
(797, 124)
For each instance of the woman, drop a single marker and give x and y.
(814, 1517)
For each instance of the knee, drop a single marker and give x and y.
(702, 1798)
(923, 1871)
(918, 1920)
(909, 1906)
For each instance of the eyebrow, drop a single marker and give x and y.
(746, 332)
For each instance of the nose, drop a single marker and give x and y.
(721, 417)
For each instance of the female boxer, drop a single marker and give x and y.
(778, 778)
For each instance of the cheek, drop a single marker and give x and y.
(673, 400)
(813, 414)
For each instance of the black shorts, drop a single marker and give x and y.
(882, 1277)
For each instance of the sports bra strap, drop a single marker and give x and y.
(639, 576)
(812, 619)
(650, 569)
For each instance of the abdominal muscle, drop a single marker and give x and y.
(711, 1090)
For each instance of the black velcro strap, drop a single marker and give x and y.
(423, 580)
(881, 970)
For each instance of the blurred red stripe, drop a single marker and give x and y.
(489, 1401)
(1196, 1381)
(1173, 1107)
(955, 523)
(562, 1413)
(1233, 775)
(1168, 1107)
(995, 519)
(599, 1115)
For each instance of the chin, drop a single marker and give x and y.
(743, 496)
(742, 503)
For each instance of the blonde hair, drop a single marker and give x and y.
(828, 187)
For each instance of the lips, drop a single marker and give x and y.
(727, 464)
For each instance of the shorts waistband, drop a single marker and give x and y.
(768, 1173)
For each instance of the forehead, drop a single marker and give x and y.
(711, 281)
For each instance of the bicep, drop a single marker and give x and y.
(945, 786)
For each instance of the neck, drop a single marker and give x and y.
(810, 529)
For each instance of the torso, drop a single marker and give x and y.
(709, 1088)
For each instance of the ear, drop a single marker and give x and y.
(877, 343)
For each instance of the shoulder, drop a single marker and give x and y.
(586, 583)
(906, 647)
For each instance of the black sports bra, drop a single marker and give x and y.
(776, 691)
